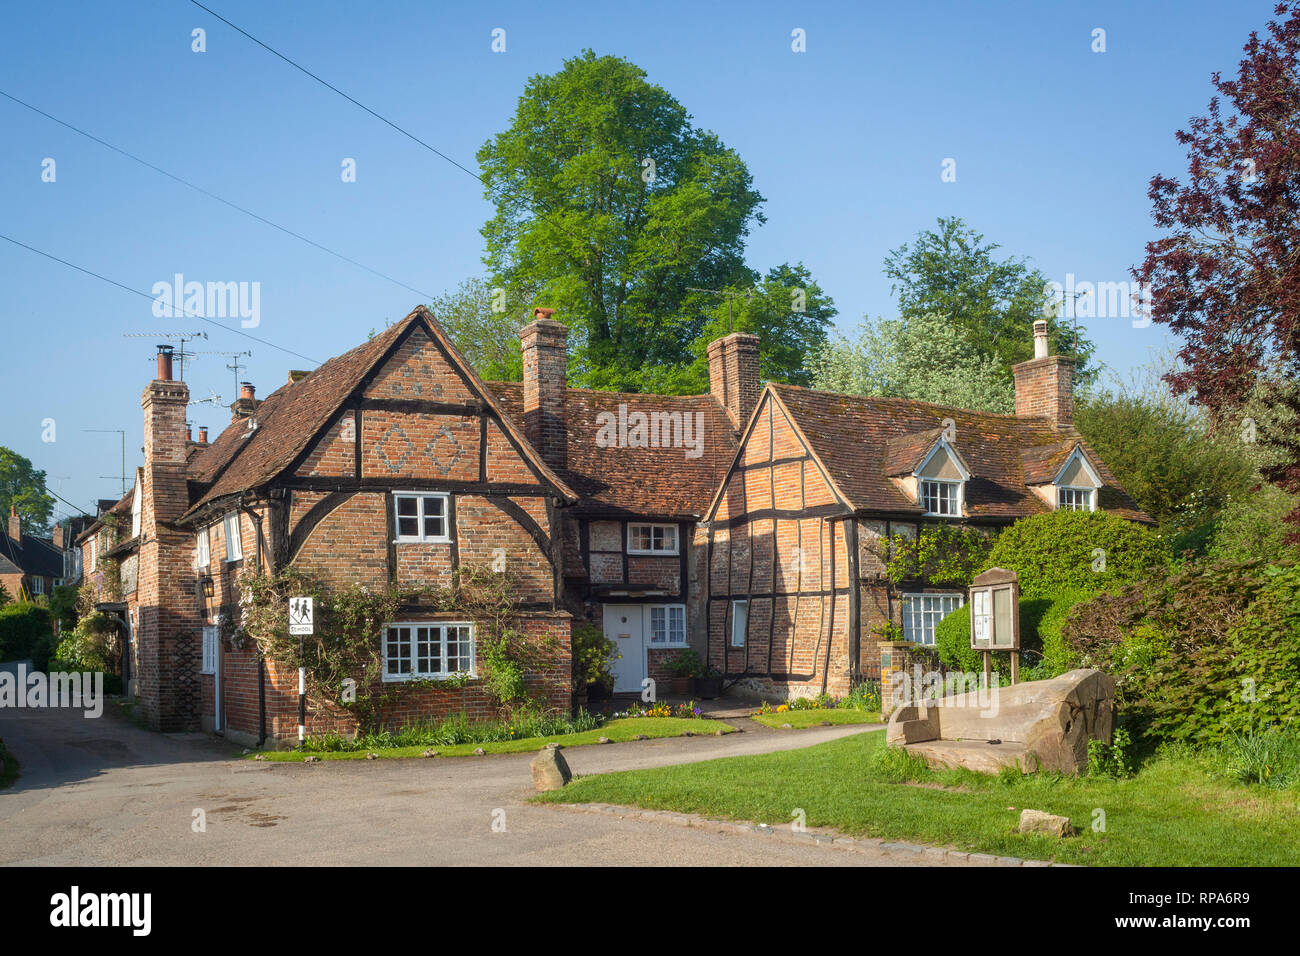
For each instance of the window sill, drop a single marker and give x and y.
(653, 554)
(411, 678)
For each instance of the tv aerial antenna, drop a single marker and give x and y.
(181, 337)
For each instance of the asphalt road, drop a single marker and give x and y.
(106, 792)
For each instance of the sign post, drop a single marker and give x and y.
(995, 617)
(301, 623)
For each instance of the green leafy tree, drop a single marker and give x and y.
(610, 206)
(22, 487)
(925, 357)
(1165, 456)
(951, 270)
(477, 318)
(786, 309)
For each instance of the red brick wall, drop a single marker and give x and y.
(350, 544)
(550, 683)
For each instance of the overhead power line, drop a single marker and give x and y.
(211, 195)
(481, 179)
(146, 295)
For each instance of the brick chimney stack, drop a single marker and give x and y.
(168, 654)
(56, 536)
(15, 525)
(545, 354)
(164, 404)
(1045, 383)
(246, 404)
(733, 375)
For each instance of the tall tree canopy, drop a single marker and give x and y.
(951, 270)
(610, 206)
(483, 328)
(1225, 274)
(23, 488)
(925, 357)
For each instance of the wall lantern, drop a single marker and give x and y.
(995, 617)
(206, 581)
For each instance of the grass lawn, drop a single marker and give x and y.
(1170, 814)
(8, 766)
(813, 718)
(616, 730)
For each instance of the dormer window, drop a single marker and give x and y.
(941, 481)
(941, 498)
(1076, 499)
(1077, 483)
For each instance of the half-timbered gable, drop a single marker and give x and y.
(798, 532)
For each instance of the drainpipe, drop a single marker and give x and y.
(261, 700)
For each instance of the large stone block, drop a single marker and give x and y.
(1037, 725)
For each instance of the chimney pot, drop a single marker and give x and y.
(246, 390)
(203, 434)
(542, 312)
(165, 363)
(1041, 348)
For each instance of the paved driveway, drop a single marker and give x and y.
(102, 792)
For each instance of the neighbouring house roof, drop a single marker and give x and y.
(291, 417)
(620, 480)
(107, 507)
(31, 555)
(861, 441)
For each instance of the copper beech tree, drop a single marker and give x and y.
(1225, 275)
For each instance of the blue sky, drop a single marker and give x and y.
(1054, 145)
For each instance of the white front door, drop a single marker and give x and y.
(624, 626)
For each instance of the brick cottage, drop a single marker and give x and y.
(738, 523)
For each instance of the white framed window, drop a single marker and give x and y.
(652, 539)
(428, 649)
(1076, 499)
(922, 612)
(668, 625)
(942, 498)
(234, 541)
(209, 650)
(90, 553)
(739, 622)
(421, 516)
(38, 584)
(205, 552)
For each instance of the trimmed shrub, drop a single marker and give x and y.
(1041, 621)
(26, 634)
(1079, 551)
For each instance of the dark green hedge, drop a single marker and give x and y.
(26, 634)
(1078, 551)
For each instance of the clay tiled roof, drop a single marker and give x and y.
(860, 439)
(291, 416)
(904, 452)
(642, 482)
(1044, 462)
